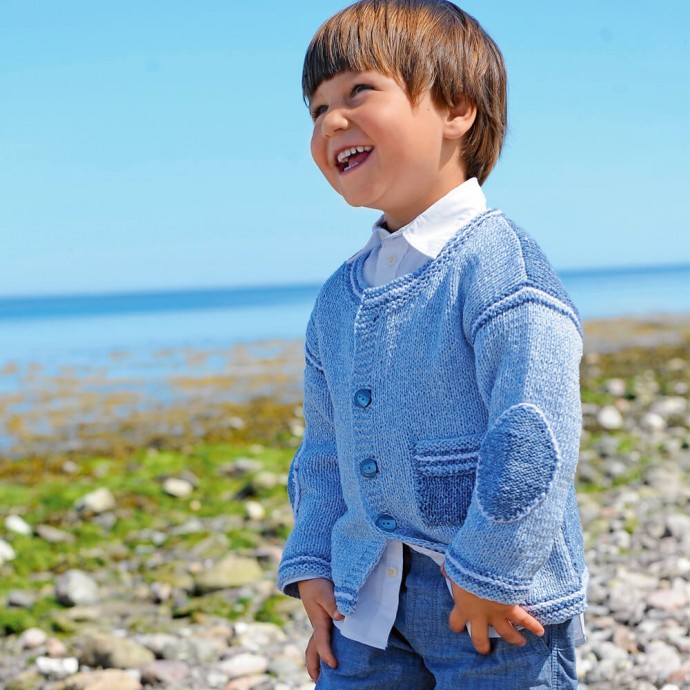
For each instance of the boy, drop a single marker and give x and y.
(437, 541)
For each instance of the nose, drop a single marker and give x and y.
(333, 121)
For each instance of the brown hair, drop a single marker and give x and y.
(424, 44)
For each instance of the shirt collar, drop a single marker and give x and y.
(430, 230)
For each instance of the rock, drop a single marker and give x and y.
(161, 591)
(27, 680)
(244, 664)
(679, 526)
(653, 422)
(53, 535)
(610, 418)
(57, 668)
(32, 638)
(16, 524)
(7, 553)
(178, 488)
(661, 660)
(164, 646)
(240, 467)
(205, 650)
(108, 651)
(232, 571)
(266, 480)
(56, 648)
(166, 671)
(98, 501)
(667, 599)
(616, 387)
(249, 683)
(670, 406)
(256, 637)
(76, 588)
(20, 600)
(109, 679)
(254, 510)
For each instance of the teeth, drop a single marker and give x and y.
(344, 155)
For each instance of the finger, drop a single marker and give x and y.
(456, 620)
(443, 570)
(522, 618)
(312, 659)
(480, 636)
(508, 633)
(322, 641)
(328, 604)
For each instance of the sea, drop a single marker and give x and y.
(54, 332)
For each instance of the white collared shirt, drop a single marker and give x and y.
(395, 254)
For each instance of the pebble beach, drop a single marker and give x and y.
(139, 537)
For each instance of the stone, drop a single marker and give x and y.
(20, 600)
(32, 638)
(256, 637)
(17, 524)
(109, 679)
(55, 648)
(653, 422)
(96, 502)
(7, 553)
(670, 406)
(26, 680)
(108, 651)
(244, 664)
(57, 668)
(166, 671)
(254, 510)
(178, 488)
(667, 599)
(266, 480)
(616, 387)
(164, 646)
(76, 588)
(231, 571)
(679, 526)
(204, 650)
(249, 683)
(661, 660)
(610, 418)
(53, 535)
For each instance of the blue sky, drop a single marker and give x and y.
(160, 144)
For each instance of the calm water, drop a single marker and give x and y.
(83, 330)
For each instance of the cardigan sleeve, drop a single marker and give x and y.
(527, 348)
(313, 482)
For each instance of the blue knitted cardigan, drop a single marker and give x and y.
(442, 409)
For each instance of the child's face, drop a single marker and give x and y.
(378, 150)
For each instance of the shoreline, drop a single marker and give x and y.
(236, 394)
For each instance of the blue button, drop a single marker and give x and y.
(368, 468)
(386, 523)
(363, 398)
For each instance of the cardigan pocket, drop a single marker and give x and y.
(445, 472)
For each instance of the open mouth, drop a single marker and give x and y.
(352, 157)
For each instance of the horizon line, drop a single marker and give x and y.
(151, 291)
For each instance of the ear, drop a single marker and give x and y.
(460, 118)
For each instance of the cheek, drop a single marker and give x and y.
(318, 152)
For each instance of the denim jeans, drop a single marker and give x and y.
(424, 653)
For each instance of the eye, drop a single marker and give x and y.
(316, 111)
(358, 88)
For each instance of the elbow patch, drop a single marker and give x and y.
(517, 464)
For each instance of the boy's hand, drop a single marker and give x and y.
(319, 603)
(482, 613)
